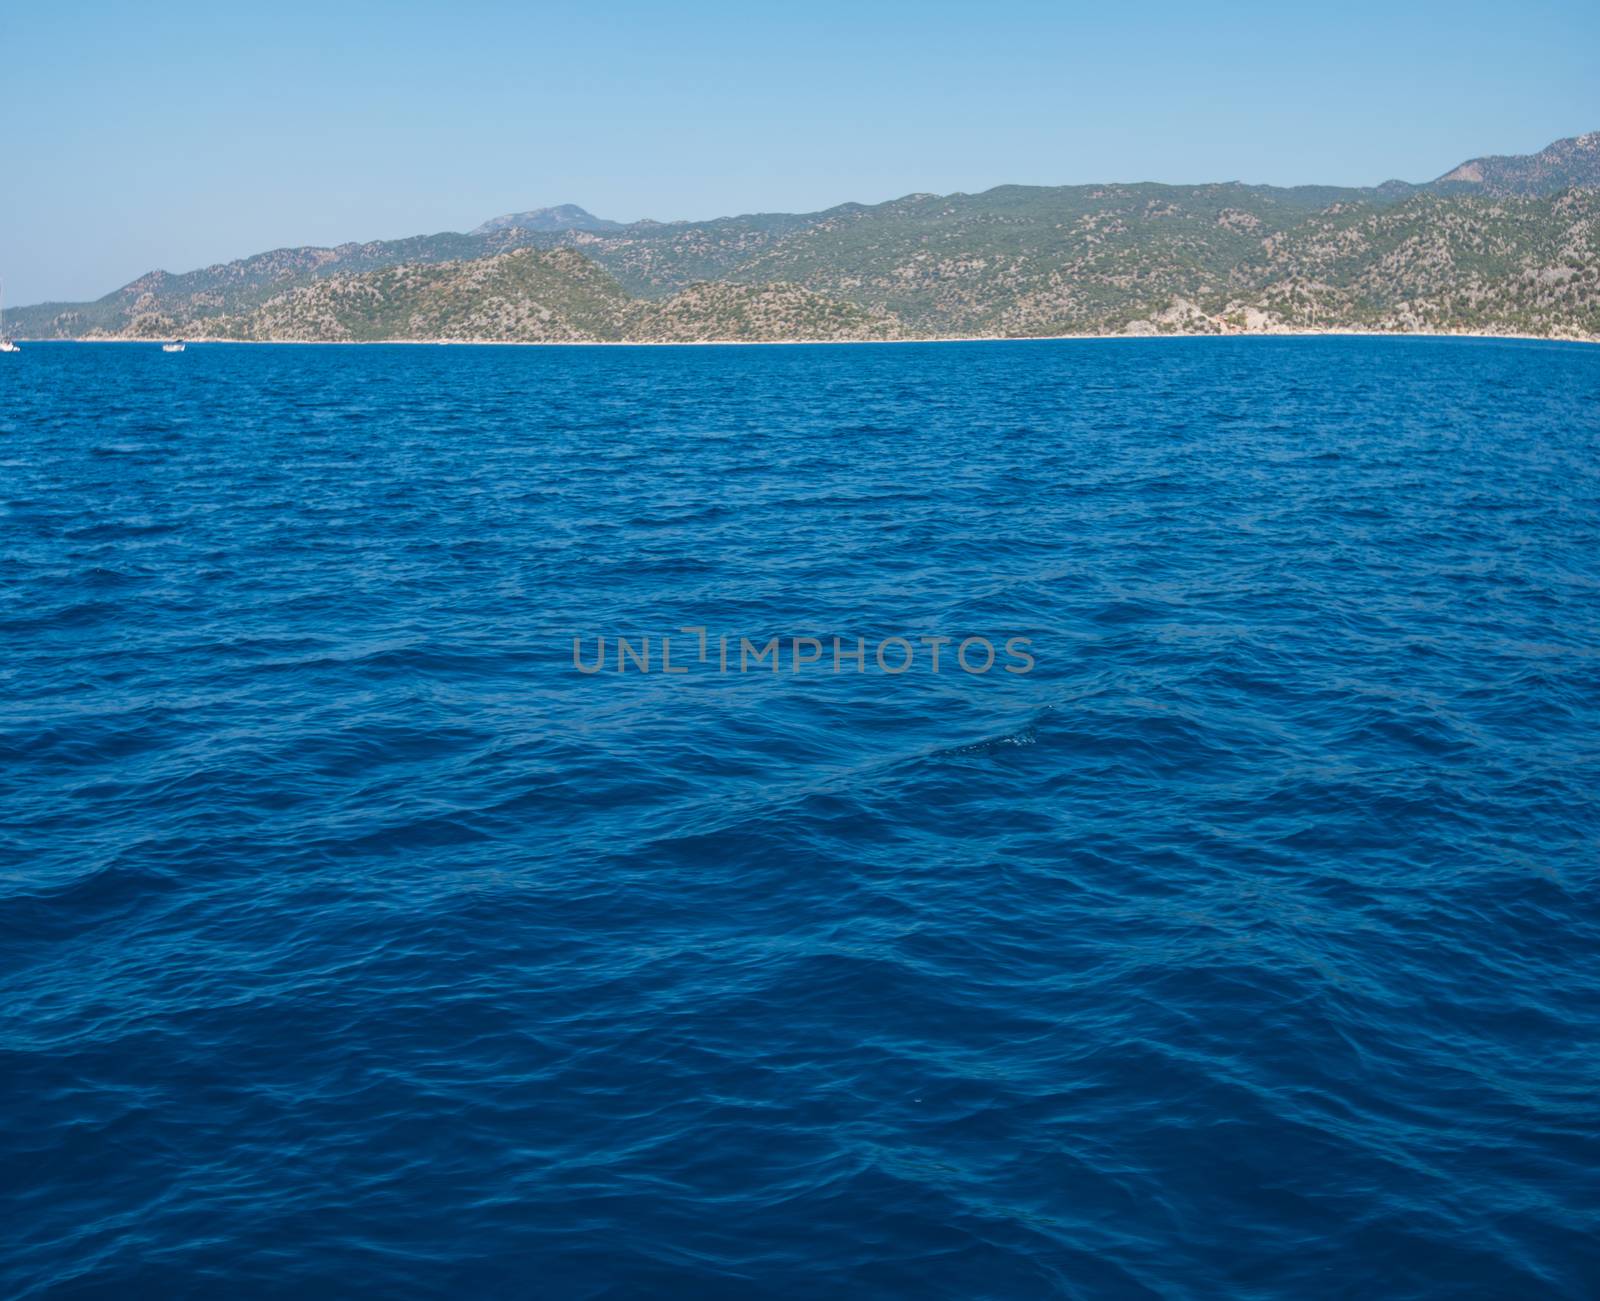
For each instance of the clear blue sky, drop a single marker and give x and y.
(168, 135)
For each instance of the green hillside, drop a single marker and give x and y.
(1498, 244)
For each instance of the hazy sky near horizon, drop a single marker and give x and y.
(175, 136)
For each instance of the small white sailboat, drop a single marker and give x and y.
(5, 340)
(175, 346)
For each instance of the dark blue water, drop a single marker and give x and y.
(353, 942)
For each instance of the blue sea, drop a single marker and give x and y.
(1235, 933)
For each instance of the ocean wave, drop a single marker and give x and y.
(1242, 947)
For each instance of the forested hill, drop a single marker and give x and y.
(1496, 244)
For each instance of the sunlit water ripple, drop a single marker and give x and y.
(352, 943)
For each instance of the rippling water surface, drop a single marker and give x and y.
(351, 942)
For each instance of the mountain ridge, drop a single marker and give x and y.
(564, 216)
(1573, 162)
(1497, 243)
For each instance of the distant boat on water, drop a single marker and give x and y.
(5, 340)
(175, 346)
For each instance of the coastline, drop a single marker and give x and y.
(768, 343)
